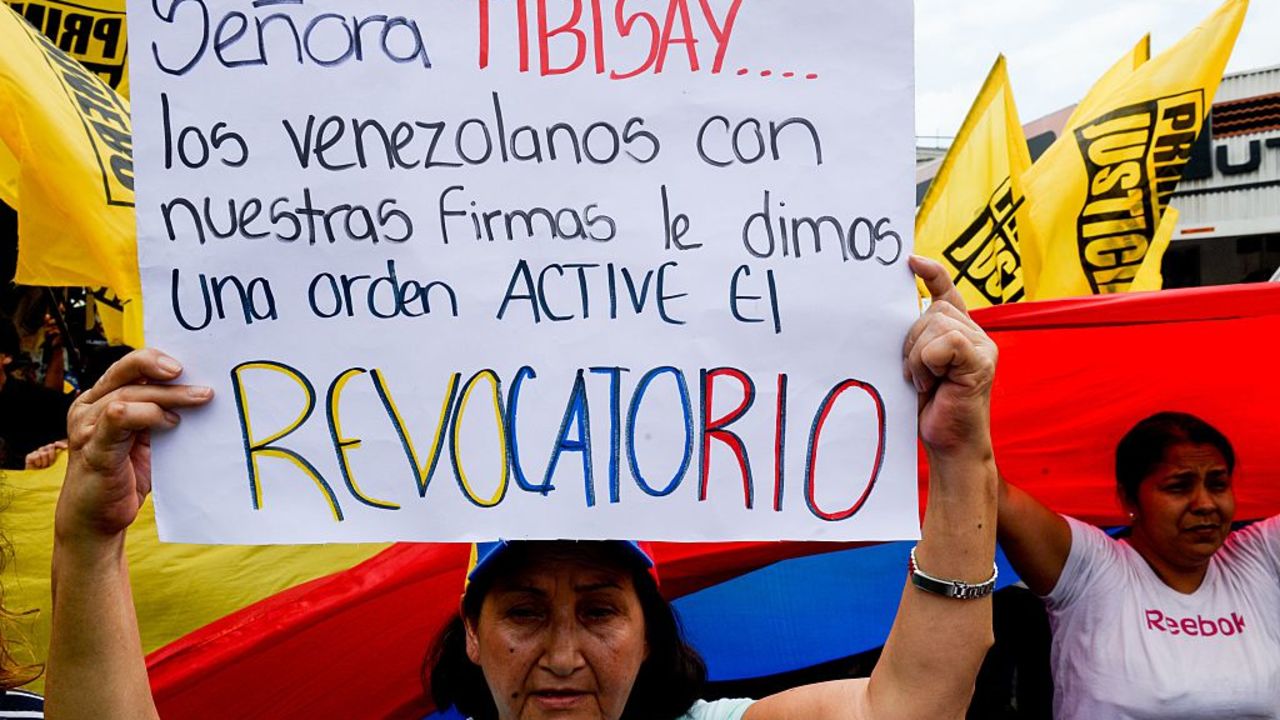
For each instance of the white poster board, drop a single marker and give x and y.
(461, 269)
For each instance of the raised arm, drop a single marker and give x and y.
(95, 668)
(937, 644)
(1036, 539)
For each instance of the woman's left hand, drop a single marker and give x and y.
(952, 363)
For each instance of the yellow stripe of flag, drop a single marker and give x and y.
(177, 588)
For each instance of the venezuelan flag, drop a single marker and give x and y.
(342, 631)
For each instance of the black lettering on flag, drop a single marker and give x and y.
(94, 36)
(1134, 157)
(108, 297)
(986, 254)
(104, 116)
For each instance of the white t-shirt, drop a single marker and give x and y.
(1125, 645)
(703, 710)
(717, 710)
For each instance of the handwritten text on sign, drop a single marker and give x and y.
(462, 269)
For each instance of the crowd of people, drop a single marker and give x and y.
(37, 387)
(33, 411)
(1175, 619)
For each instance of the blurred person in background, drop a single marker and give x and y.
(17, 704)
(33, 418)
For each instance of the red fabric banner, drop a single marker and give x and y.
(1074, 375)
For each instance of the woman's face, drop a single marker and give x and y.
(1185, 506)
(563, 637)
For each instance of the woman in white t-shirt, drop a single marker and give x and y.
(1181, 619)
(561, 631)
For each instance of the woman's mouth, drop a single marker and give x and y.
(1205, 530)
(559, 699)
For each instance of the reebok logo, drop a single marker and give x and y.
(1195, 626)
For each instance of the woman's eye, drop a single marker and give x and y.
(523, 612)
(600, 612)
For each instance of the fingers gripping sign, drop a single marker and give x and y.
(951, 361)
(109, 438)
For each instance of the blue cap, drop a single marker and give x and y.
(486, 554)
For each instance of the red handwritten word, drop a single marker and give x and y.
(587, 29)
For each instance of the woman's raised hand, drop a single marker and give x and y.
(952, 363)
(109, 437)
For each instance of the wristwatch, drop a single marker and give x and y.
(951, 588)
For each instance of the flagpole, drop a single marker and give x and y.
(68, 342)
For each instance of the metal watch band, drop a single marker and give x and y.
(951, 588)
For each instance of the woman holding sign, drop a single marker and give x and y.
(564, 629)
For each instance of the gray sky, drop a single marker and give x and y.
(1056, 49)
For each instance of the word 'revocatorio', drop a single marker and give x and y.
(701, 427)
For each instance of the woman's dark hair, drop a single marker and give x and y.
(1143, 448)
(12, 672)
(670, 678)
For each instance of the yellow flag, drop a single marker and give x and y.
(72, 140)
(8, 177)
(1110, 81)
(1096, 197)
(120, 318)
(967, 220)
(1149, 276)
(91, 31)
(177, 588)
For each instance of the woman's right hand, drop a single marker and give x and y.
(109, 437)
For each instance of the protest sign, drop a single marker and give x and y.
(476, 268)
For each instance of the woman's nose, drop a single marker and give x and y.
(1202, 500)
(562, 656)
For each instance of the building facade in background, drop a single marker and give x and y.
(1229, 196)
